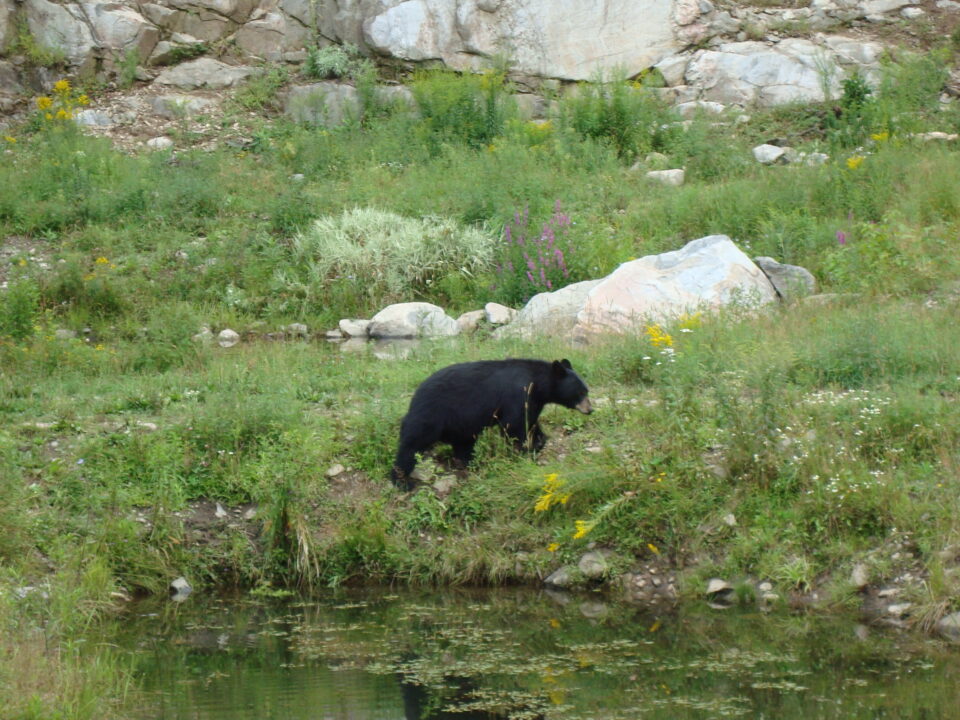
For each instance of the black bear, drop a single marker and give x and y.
(456, 403)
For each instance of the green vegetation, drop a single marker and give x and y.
(827, 431)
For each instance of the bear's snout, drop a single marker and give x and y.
(584, 406)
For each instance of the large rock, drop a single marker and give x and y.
(6, 24)
(790, 281)
(413, 319)
(61, 27)
(121, 29)
(748, 73)
(550, 312)
(271, 35)
(705, 274)
(571, 39)
(323, 103)
(204, 73)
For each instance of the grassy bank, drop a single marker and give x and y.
(828, 431)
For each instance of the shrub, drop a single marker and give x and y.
(333, 61)
(391, 254)
(472, 109)
(626, 115)
(19, 308)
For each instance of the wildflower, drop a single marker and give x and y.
(551, 494)
(63, 114)
(554, 623)
(583, 527)
(9, 139)
(48, 116)
(880, 137)
(102, 261)
(44, 103)
(653, 548)
(854, 162)
(841, 237)
(658, 337)
(61, 86)
(553, 547)
(83, 100)
(690, 322)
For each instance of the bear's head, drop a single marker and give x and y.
(568, 389)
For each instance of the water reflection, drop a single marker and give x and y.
(505, 654)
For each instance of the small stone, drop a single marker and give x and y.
(298, 177)
(949, 626)
(296, 330)
(594, 564)
(657, 582)
(180, 589)
(898, 610)
(335, 470)
(227, 338)
(672, 178)
(205, 336)
(354, 328)
(768, 154)
(730, 520)
(888, 592)
(860, 576)
(561, 578)
(220, 512)
(160, 143)
(250, 514)
(64, 334)
(716, 586)
(765, 587)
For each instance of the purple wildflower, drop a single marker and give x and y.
(841, 237)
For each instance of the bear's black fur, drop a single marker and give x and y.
(456, 403)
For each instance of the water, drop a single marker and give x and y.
(522, 654)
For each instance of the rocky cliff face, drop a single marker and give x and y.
(716, 51)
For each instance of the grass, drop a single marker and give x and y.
(828, 431)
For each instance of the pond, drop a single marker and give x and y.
(522, 654)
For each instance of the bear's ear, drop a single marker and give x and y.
(559, 369)
(566, 364)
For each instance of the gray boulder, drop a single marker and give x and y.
(790, 281)
(413, 319)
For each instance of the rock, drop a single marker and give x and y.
(64, 334)
(949, 626)
(354, 328)
(470, 321)
(768, 154)
(706, 274)
(747, 73)
(860, 576)
(414, 319)
(7, 30)
(335, 470)
(561, 578)
(227, 338)
(219, 511)
(205, 336)
(572, 44)
(935, 135)
(270, 36)
(912, 13)
(550, 312)
(298, 330)
(160, 143)
(695, 107)
(673, 178)
(497, 314)
(180, 106)
(594, 564)
(790, 281)
(64, 27)
(444, 485)
(730, 520)
(326, 104)
(204, 73)
(93, 118)
(119, 29)
(899, 610)
(180, 589)
(716, 586)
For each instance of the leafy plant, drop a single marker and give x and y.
(530, 262)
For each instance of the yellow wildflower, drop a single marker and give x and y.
(23, 262)
(83, 100)
(880, 137)
(854, 162)
(44, 103)
(63, 114)
(691, 322)
(658, 337)
(98, 346)
(61, 86)
(102, 261)
(653, 548)
(9, 139)
(48, 116)
(554, 623)
(551, 493)
(553, 547)
(583, 527)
